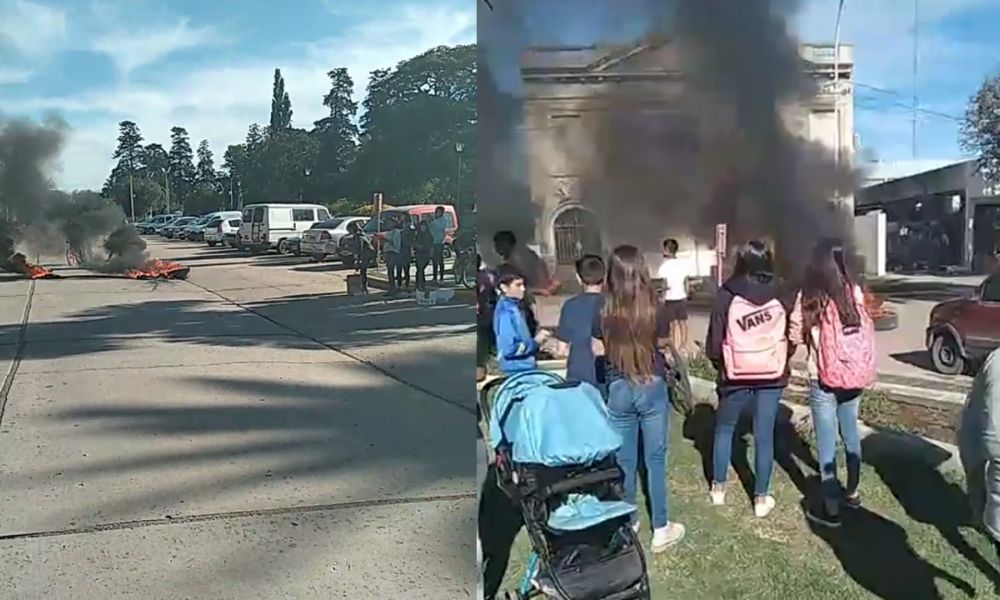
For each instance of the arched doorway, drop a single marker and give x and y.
(576, 233)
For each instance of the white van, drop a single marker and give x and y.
(271, 226)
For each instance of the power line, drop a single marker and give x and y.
(925, 111)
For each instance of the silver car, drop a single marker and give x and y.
(323, 238)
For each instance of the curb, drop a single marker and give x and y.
(886, 443)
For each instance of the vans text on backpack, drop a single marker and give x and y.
(755, 346)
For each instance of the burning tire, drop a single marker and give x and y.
(946, 355)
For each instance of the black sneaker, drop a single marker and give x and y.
(818, 514)
(853, 501)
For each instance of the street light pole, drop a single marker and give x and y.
(458, 180)
(131, 195)
(166, 183)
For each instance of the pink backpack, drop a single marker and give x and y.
(756, 343)
(846, 358)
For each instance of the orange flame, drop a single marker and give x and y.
(159, 269)
(37, 272)
(21, 264)
(875, 304)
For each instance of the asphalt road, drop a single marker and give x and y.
(251, 433)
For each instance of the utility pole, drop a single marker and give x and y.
(836, 83)
(166, 182)
(916, 64)
(131, 195)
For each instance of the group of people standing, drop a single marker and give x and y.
(616, 331)
(404, 245)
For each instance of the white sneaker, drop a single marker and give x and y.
(763, 505)
(717, 496)
(666, 536)
(635, 527)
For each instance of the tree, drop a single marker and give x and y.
(205, 171)
(182, 171)
(338, 137)
(128, 153)
(129, 150)
(980, 132)
(155, 162)
(415, 114)
(288, 161)
(234, 161)
(253, 168)
(281, 104)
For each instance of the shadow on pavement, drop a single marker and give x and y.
(916, 358)
(401, 441)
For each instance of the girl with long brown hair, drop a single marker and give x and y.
(748, 344)
(827, 286)
(631, 331)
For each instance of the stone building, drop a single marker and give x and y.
(565, 86)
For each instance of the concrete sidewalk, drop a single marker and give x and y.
(251, 433)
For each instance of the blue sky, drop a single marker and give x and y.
(958, 47)
(206, 66)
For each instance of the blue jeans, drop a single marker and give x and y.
(645, 407)
(764, 404)
(831, 408)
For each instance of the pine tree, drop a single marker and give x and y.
(281, 105)
(129, 150)
(182, 171)
(205, 171)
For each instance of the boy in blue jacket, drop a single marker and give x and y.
(516, 348)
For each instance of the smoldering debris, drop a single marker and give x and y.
(712, 144)
(36, 218)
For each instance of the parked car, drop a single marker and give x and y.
(962, 332)
(268, 227)
(173, 229)
(149, 226)
(221, 224)
(167, 223)
(323, 238)
(375, 228)
(192, 230)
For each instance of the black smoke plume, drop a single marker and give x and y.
(710, 146)
(39, 219)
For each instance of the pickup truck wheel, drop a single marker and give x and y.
(945, 355)
(283, 247)
(212, 244)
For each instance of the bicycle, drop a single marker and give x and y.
(465, 269)
(73, 257)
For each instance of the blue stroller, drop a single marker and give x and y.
(555, 456)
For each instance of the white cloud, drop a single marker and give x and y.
(15, 76)
(31, 28)
(218, 103)
(136, 47)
